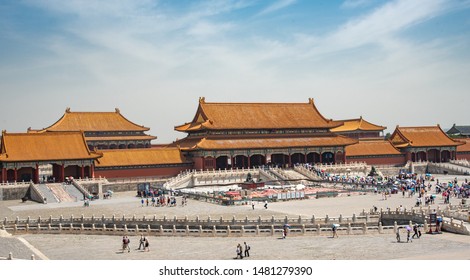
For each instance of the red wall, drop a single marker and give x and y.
(144, 172)
(463, 155)
(400, 160)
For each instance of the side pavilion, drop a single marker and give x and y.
(23, 154)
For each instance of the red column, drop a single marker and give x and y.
(249, 161)
(82, 171)
(321, 158)
(408, 156)
(290, 160)
(62, 173)
(36, 174)
(232, 162)
(15, 177)
(4, 175)
(305, 157)
(344, 156)
(92, 170)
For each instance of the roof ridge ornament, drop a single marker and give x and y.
(310, 100)
(202, 99)
(117, 110)
(67, 110)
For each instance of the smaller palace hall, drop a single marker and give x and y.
(220, 136)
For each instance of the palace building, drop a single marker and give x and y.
(359, 129)
(425, 143)
(229, 135)
(375, 152)
(103, 130)
(23, 154)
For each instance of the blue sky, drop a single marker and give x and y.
(393, 62)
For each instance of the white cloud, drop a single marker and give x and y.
(352, 4)
(276, 6)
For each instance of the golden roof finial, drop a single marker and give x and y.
(202, 99)
(310, 100)
(117, 110)
(67, 110)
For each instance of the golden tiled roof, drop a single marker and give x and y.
(357, 124)
(424, 136)
(220, 116)
(45, 146)
(207, 143)
(465, 147)
(371, 148)
(133, 157)
(123, 138)
(93, 121)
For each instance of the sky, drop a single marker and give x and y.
(401, 62)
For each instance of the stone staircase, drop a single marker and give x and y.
(47, 193)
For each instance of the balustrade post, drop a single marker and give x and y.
(82, 228)
(39, 228)
(272, 230)
(246, 220)
(125, 229)
(71, 227)
(187, 230)
(93, 228)
(27, 220)
(233, 220)
(104, 228)
(395, 227)
(175, 218)
(161, 230)
(174, 230)
(303, 229)
(354, 218)
(50, 219)
(200, 230)
(33, 257)
(257, 230)
(318, 229)
(10, 256)
(39, 219)
(229, 232)
(380, 227)
(313, 219)
(272, 219)
(327, 219)
(242, 231)
(164, 218)
(340, 219)
(349, 229)
(27, 228)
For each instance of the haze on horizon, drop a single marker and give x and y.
(401, 62)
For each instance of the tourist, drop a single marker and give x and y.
(142, 202)
(147, 248)
(398, 235)
(147, 201)
(239, 251)
(408, 234)
(247, 250)
(125, 244)
(253, 205)
(335, 230)
(415, 230)
(141, 242)
(266, 204)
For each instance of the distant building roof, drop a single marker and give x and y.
(357, 125)
(45, 146)
(227, 116)
(372, 148)
(424, 136)
(93, 121)
(465, 147)
(463, 130)
(133, 157)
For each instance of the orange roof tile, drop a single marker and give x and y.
(369, 148)
(357, 124)
(465, 147)
(93, 121)
(149, 156)
(45, 146)
(424, 136)
(123, 138)
(215, 116)
(262, 143)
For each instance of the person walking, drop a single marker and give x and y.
(335, 230)
(141, 242)
(408, 235)
(266, 204)
(146, 245)
(239, 251)
(398, 235)
(415, 230)
(247, 249)
(253, 205)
